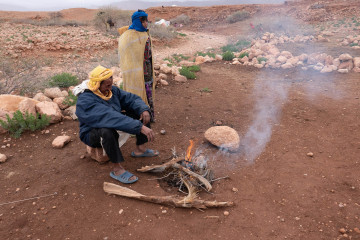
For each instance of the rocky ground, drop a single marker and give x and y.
(292, 95)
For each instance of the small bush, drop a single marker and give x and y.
(185, 71)
(178, 58)
(262, 59)
(63, 80)
(108, 17)
(242, 43)
(71, 99)
(162, 32)
(194, 68)
(238, 16)
(229, 48)
(181, 19)
(228, 56)
(353, 44)
(21, 122)
(206, 89)
(210, 54)
(244, 54)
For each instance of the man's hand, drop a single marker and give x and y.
(145, 117)
(148, 133)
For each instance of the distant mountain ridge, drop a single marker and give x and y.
(133, 5)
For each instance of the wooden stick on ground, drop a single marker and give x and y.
(167, 200)
(160, 168)
(191, 173)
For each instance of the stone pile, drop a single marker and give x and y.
(51, 103)
(264, 54)
(353, 42)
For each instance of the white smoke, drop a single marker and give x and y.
(271, 95)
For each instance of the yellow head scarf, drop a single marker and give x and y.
(97, 75)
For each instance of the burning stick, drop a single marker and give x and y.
(160, 168)
(187, 202)
(191, 173)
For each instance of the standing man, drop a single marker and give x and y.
(136, 61)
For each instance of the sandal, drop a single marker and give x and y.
(147, 153)
(124, 178)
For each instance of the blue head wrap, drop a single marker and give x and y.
(136, 23)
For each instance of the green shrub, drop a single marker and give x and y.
(71, 99)
(210, 54)
(206, 89)
(262, 59)
(238, 16)
(63, 80)
(194, 68)
(242, 43)
(243, 54)
(179, 57)
(353, 44)
(21, 122)
(229, 48)
(228, 56)
(185, 71)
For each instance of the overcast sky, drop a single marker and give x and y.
(35, 5)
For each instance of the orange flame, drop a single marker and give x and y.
(188, 151)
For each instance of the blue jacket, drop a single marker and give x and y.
(94, 112)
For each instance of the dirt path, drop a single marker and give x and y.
(193, 42)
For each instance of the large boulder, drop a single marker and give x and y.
(345, 57)
(180, 78)
(356, 62)
(346, 65)
(3, 117)
(41, 98)
(60, 102)
(70, 111)
(51, 109)
(281, 59)
(53, 92)
(11, 103)
(28, 105)
(199, 60)
(223, 137)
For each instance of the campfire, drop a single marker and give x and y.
(189, 173)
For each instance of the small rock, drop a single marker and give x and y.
(297, 218)
(341, 205)
(3, 158)
(17, 189)
(121, 211)
(357, 230)
(164, 211)
(342, 230)
(226, 213)
(163, 131)
(60, 141)
(82, 156)
(235, 189)
(54, 207)
(310, 154)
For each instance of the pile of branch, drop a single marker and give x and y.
(188, 178)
